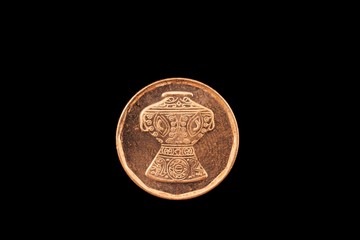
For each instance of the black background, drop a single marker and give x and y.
(85, 71)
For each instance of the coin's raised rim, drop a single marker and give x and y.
(218, 179)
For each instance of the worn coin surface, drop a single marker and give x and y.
(177, 138)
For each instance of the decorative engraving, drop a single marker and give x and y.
(177, 122)
(178, 168)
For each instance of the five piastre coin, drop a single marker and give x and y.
(177, 138)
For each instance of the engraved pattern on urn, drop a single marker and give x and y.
(177, 123)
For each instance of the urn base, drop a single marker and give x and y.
(176, 164)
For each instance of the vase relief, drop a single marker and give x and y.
(177, 123)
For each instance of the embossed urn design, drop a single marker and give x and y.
(177, 123)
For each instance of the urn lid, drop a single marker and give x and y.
(175, 100)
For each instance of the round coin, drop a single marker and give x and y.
(177, 138)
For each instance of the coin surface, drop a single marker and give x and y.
(177, 138)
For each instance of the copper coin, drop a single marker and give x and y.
(177, 138)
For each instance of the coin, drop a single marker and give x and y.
(177, 138)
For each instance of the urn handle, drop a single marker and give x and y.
(146, 121)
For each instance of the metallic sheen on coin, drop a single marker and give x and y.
(177, 138)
